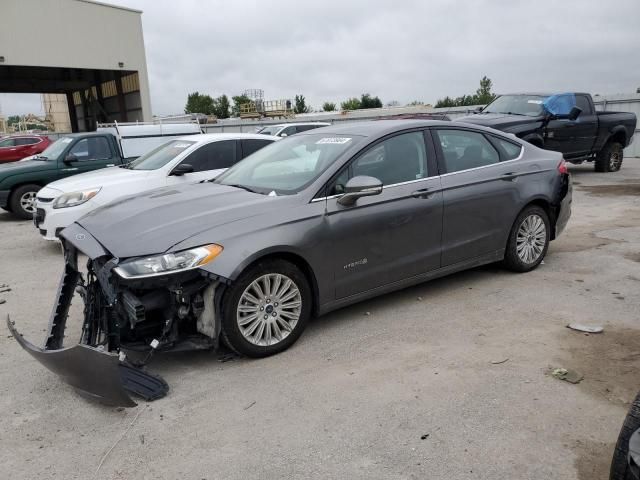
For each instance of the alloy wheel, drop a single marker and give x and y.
(28, 202)
(615, 160)
(531, 239)
(269, 309)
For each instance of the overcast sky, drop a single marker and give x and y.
(399, 50)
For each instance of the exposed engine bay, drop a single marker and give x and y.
(164, 312)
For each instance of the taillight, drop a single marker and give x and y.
(562, 167)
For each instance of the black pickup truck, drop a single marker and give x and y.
(565, 122)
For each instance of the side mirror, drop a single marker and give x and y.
(70, 158)
(574, 113)
(360, 186)
(182, 169)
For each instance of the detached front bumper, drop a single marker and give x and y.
(99, 371)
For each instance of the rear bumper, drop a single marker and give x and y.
(564, 212)
(4, 198)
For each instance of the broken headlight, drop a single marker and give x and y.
(168, 262)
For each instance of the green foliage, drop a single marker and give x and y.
(367, 101)
(350, 104)
(415, 103)
(328, 107)
(482, 96)
(300, 105)
(221, 107)
(197, 103)
(237, 101)
(13, 119)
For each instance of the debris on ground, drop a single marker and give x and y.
(366, 314)
(2, 300)
(419, 299)
(424, 437)
(498, 362)
(4, 289)
(585, 328)
(250, 405)
(570, 376)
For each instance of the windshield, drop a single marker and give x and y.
(529, 105)
(54, 150)
(288, 166)
(269, 130)
(160, 156)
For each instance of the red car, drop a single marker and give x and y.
(19, 146)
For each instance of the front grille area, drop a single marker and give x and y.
(38, 218)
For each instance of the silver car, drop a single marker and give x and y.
(301, 227)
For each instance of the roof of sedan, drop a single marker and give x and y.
(375, 127)
(209, 137)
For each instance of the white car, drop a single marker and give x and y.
(188, 159)
(288, 129)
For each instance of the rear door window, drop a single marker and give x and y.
(252, 145)
(508, 150)
(8, 142)
(213, 156)
(464, 150)
(27, 141)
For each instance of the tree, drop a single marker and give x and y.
(237, 101)
(301, 106)
(350, 104)
(483, 94)
(367, 101)
(197, 103)
(221, 107)
(328, 107)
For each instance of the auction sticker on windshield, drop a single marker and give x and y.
(537, 102)
(182, 145)
(334, 140)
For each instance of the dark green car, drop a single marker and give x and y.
(69, 155)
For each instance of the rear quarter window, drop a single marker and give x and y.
(508, 150)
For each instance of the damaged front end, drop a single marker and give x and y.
(165, 312)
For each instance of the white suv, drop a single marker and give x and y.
(188, 159)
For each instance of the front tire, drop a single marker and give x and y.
(266, 310)
(23, 201)
(609, 159)
(620, 469)
(528, 241)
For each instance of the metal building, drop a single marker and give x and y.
(91, 52)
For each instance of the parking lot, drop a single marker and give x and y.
(449, 379)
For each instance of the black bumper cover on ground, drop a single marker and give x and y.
(93, 370)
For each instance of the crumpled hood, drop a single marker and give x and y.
(499, 121)
(152, 222)
(103, 177)
(13, 168)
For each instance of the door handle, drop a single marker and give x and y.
(509, 176)
(422, 193)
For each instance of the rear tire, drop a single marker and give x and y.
(266, 310)
(23, 201)
(619, 466)
(528, 241)
(609, 159)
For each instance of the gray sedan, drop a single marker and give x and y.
(303, 226)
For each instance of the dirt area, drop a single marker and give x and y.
(445, 380)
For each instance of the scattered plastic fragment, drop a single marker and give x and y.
(570, 376)
(367, 314)
(250, 405)
(498, 362)
(5, 289)
(2, 300)
(424, 437)
(585, 328)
